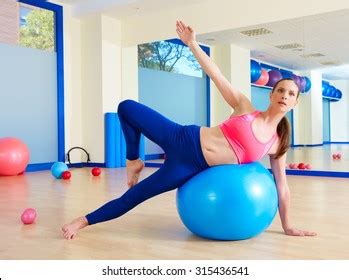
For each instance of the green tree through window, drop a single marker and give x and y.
(38, 30)
(168, 56)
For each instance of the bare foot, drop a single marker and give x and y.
(134, 168)
(70, 230)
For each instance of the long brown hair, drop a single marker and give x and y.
(284, 128)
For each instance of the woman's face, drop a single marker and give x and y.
(284, 96)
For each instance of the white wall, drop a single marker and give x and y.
(99, 73)
(234, 63)
(129, 73)
(308, 113)
(340, 113)
(220, 110)
(111, 63)
(240, 69)
(316, 109)
(72, 83)
(92, 98)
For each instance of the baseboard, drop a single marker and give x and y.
(154, 156)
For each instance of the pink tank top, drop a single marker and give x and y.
(238, 131)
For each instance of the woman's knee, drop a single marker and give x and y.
(125, 105)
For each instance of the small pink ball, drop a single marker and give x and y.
(308, 166)
(293, 165)
(28, 217)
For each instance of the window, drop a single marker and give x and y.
(36, 28)
(170, 57)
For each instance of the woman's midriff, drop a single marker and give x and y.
(215, 147)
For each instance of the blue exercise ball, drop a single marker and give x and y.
(256, 71)
(339, 94)
(332, 91)
(307, 84)
(58, 168)
(302, 84)
(228, 202)
(297, 80)
(325, 88)
(286, 74)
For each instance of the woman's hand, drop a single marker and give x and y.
(185, 33)
(298, 232)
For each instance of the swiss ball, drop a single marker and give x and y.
(256, 70)
(286, 74)
(297, 80)
(228, 202)
(307, 84)
(14, 156)
(302, 83)
(339, 94)
(332, 91)
(325, 88)
(263, 79)
(58, 168)
(274, 77)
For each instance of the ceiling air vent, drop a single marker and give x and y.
(256, 32)
(312, 55)
(330, 63)
(289, 46)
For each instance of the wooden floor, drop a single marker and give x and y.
(320, 157)
(153, 230)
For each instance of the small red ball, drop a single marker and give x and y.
(96, 171)
(334, 156)
(66, 175)
(301, 166)
(339, 156)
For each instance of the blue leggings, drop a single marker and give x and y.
(181, 144)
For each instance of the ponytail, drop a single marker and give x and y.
(283, 130)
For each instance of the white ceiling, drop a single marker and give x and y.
(326, 34)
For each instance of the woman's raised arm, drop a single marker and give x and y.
(233, 97)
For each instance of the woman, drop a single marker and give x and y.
(246, 136)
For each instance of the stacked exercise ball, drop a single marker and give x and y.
(256, 70)
(262, 77)
(14, 156)
(307, 84)
(274, 77)
(330, 91)
(228, 202)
